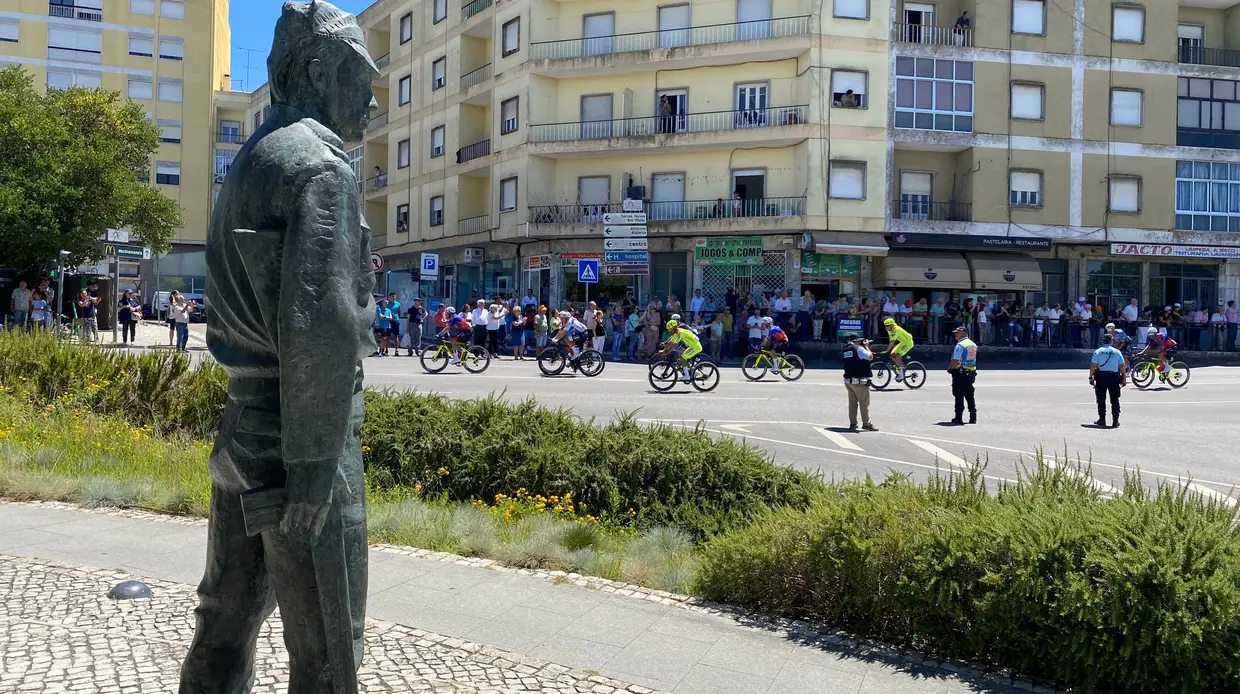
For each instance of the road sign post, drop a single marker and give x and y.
(115, 250)
(625, 243)
(430, 266)
(587, 274)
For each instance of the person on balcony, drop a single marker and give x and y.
(665, 115)
(961, 30)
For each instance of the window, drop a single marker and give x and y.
(141, 45)
(169, 130)
(403, 90)
(1125, 194)
(1029, 17)
(266, 111)
(402, 154)
(439, 11)
(848, 89)
(142, 6)
(139, 88)
(169, 89)
(172, 49)
(258, 119)
(223, 159)
(934, 94)
(172, 9)
(168, 173)
(508, 195)
(915, 190)
(1025, 188)
(437, 142)
(437, 211)
(1191, 41)
(1027, 101)
(674, 23)
(508, 116)
(9, 29)
(230, 132)
(439, 69)
(1208, 105)
(1126, 107)
(847, 180)
(852, 9)
(59, 80)
(78, 46)
(406, 28)
(1128, 23)
(1207, 196)
(402, 219)
(512, 37)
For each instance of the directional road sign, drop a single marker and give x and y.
(624, 231)
(628, 269)
(634, 244)
(624, 218)
(587, 271)
(430, 266)
(629, 257)
(113, 250)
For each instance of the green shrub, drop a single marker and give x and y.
(653, 475)
(1136, 594)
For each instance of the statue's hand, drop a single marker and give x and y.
(309, 489)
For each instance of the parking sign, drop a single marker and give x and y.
(430, 266)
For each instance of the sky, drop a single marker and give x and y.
(253, 22)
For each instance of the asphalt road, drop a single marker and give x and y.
(1183, 437)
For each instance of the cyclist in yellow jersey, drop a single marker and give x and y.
(686, 337)
(901, 342)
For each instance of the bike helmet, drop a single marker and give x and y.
(1110, 327)
(768, 321)
(565, 314)
(676, 317)
(672, 325)
(449, 311)
(889, 322)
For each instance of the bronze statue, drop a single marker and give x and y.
(289, 285)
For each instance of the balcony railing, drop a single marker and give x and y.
(672, 211)
(378, 121)
(473, 225)
(1188, 137)
(90, 14)
(230, 138)
(383, 60)
(1199, 55)
(474, 77)
(714, 121)
(932, 211)
(474, 8)
(782, 27)
(940, 36)
(376, 183)
(471, 152)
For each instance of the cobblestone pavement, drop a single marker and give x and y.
(59, 632)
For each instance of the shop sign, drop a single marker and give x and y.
(850, 327)
(538, 262)
(570, 259)
(829, 264)
(729, 250)
(627, 270)
(1161, 250)
(970, 242)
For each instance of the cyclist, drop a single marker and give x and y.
(1119, 338)
(457, 326)
(571, 330)
(678, 335)
(776, 340)
(1164, 347)
(901, 343)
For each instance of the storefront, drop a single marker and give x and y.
(998, 268)
(536, 276)
(743, 264)
(1164, 274)
(830, 275)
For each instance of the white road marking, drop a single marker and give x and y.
(939, 453)
(1208, 493)
(836, 438)
(742, 428)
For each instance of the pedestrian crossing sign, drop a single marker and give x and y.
(587, 270)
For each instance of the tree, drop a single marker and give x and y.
(72, 165)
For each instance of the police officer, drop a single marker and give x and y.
(1107, 374)
(857, 375)
(964, 371)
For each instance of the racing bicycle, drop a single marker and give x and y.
(475, 359)
(789, 366)
(1145, 368)
(554, 357)
(885, 369)
(666, 373)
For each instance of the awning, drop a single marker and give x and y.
(1005, 272)
(922, 269)
(850, 249)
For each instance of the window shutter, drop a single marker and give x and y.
(852, 9)
(9, 30)
(1125, 194)
(141, 45)
(1026, 101)
(915, 184)
(843, 80)
(59, 80)
(1127, 24)
(1125, 107)
(1028, 16)
(847, 180)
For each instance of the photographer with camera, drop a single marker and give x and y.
(857, 357)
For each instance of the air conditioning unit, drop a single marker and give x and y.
(219, 178)
(473, 256)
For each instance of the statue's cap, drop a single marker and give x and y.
(300, 22)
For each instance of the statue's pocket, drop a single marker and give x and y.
(256, 435)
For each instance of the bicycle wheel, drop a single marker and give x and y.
(914, 375)
(434, 360)
(591, 363)
(1143, 375)
(754, 367)
(476, 360)
(792, 368)
(705, 376)
(551, 361)
(881, 377)
(663, 376)
(1178, 378)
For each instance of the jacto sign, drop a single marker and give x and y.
(1163, 250)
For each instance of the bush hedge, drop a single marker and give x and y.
(1139, 593)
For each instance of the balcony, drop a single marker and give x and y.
(673, 211)
(375, 184)
(377, 122)
(90, 14)
(230, 137)
(782, 27)
(1192, 137)
(1199, 55)
(916, 209)
(473, 8)
(471, 152)
(712, 121)
(473, 225)
(475, 77)
(383, 61)
(932, 35)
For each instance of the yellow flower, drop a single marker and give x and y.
(443, 472)
(417, 487)
(365, 449)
